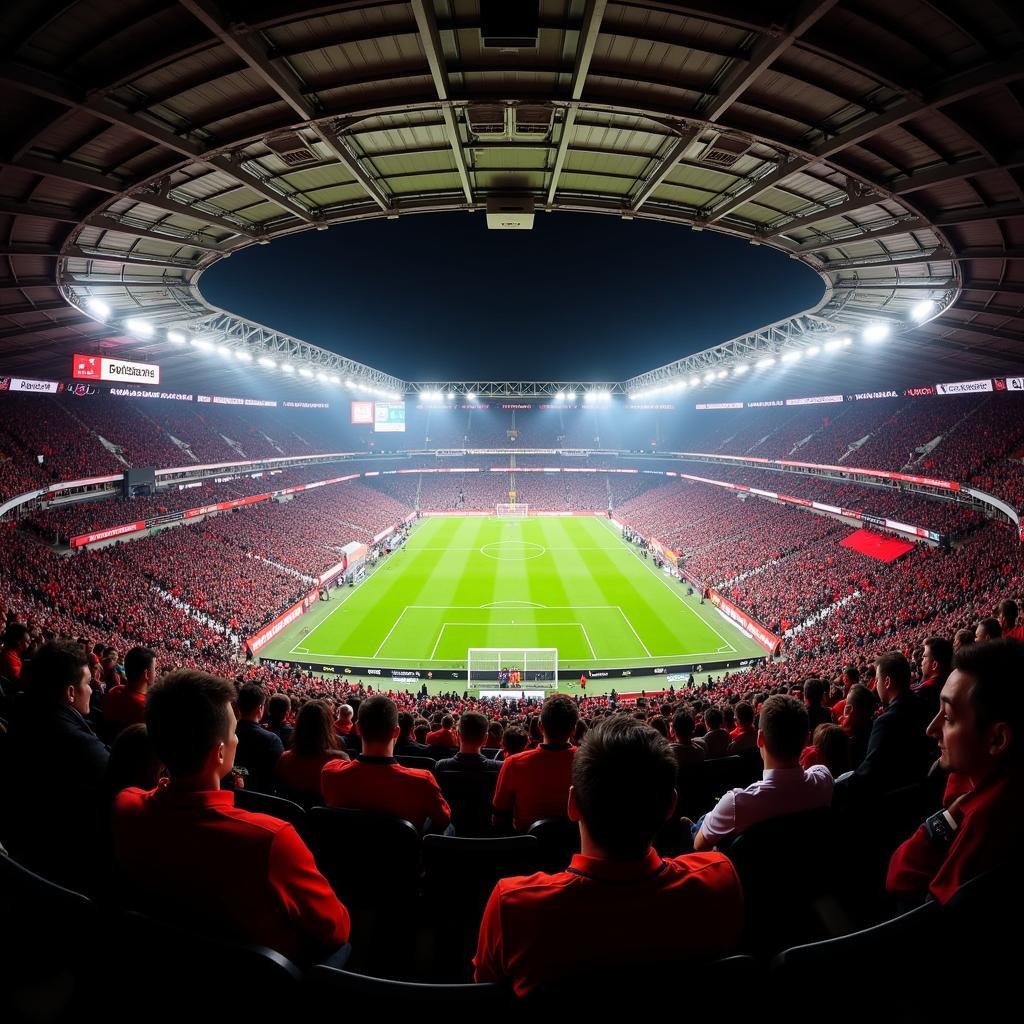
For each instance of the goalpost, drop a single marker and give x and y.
(509, 510)
(498, 668)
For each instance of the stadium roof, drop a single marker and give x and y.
(879, 143)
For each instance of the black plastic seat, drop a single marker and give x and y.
(559, 839)
(469, 794)
(275, 806)
(330, 988)
(410, 761)
(720, 774)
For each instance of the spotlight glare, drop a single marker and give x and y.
(287, 368)
(833, 345)
(243, 356)
(812, 351)
(922, 310)
(140, 328)
(224, 351)
(177, 337)
(98, 307)
(738, 371)
(471, 395)
(722, 374)
(202, 344)
(335, 379)
(267, 362)
(303, 372)
(765, 363)
(875, 332)
(694, 381)
(791, 357)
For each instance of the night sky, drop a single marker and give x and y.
(438, 296)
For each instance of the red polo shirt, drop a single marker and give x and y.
(542, 928)
(301, 772)
(534, 785)
(197, 857)
(443, 738)
(124, 707)
(10, 665)
(381, 784)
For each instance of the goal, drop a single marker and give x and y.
(495, 667)
(511, 509)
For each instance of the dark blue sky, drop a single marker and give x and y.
(580, 296)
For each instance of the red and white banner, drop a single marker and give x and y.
(123, 371)
(260, 639)
(768, 640)
(113, 531)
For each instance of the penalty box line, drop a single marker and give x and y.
(514, 625)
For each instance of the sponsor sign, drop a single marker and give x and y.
(46, 387)
(721, 405)
(306, 405)
(766, 405)
(964, 387)
(263, 403)
(113, 531)
(769, 641)
(173, 396)
(389, 418)
(860, 396)
(919, 392)
(1015, 383)
(260, 640)
(84, 367)
(816, 400)
(362, 413)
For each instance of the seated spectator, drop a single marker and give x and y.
(375, 781)
(849, 679)
(814, 696)
(494, 734)
(545, 928)
(987, 629)
(472, 734)
(1007, 614)
(513, 741)
(343, 726)
(314, 744)
(858, 719)
(406, 746)
(16, 640)
(744, 736)
(535, 784)
(978, 730)
(279, 707)
(59, 758)
(936, 662)
(716, 740)
(830, 747)
(684, 749)
(444, 737)
(786, 788)
(962, 638)
(898, 753)
(133, 761)
(125, 704)
(266, 888)
(258, 748)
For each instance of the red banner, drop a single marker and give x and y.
(113, 531)
(768, 640)
(260, 640)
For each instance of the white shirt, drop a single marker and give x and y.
(782, 791)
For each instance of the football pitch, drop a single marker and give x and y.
(570, 583)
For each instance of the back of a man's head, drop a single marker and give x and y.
(473, 728)
(940, 650)
(378, 719)
(56, 666)
(558, 718)
(682, 724)
(814, 691)
(988, 629)
(514, 740)
(406, 724)
(745, 713)
(894, 667)
(1008, 612)
(713, 718)
(278, 707)
(784, 723)
(447, 722)
(187, 714)
(138, 661)
(623, 780)
(250, 699)
(15, 634)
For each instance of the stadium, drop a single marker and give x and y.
(474, 471)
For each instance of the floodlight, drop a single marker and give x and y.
(335, 379)
(694, 381)
(765, 363)
(140, 328)
(243, 356)
(572, 394)
(708, 378)
(224, 351)
(791, 356)
(559, 395)
(202, 344)
(287, 368)
(875, 332)
(177, 337)
(721, 374)
(833, 345)
(348, 384)
(268, 363)
(738, 371)
(98, 307)
(321, 376)
(812, 351)
(303, 372)
(922, 310)
(471, 395)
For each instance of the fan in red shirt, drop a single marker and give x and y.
(187, 852)
(125, 704)
(17, 638)
(446, 736)
(1008, 614)
(313, 745)
(535, 784)
(979, 732)
(619, 903)
(375, 781)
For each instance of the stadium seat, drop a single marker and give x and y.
(424, 763)
(469, 794)
(490, 752)
(720, 774)
(559, 840)
(359, 994)
(275, 806)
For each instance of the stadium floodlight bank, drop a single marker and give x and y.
(512, 667)
(507, 510)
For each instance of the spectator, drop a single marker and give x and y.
(978, 729)
(830, 746)
(16, 640)
(786, 788)
(125, 704)
(861, 705)
(279, 707)
(513, 741)
(133, 761)
(849, 679)
(744, 736)
(684, 749)
(314, 744)
(444, 737)
(936, 663)
(535, 784)
(375, 781)
(343, 726)
(544, 928)
(168, 842)
(962, 638)
(1008, 614)
(716, 740)
(472, 734)
(258, 748)
(987, 629)
(898, 752)
(406, 746)
(814, 696)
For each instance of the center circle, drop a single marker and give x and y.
(512, 550)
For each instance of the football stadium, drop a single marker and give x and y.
(503, 502)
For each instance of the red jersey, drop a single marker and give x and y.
(539, 928)
(10, 665)
(301, 772)
(123, 707)
(442, 738)
(197, 857)
(381, 784)
(535, 784)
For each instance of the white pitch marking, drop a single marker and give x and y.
(391, 630)
(635, 633)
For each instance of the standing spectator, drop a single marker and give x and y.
(313, 745)
(857, 721)
(786, 788)
(125, 704)
(258, 749)
(543, 928)
(849, 679)
(513, 741)
(978, 730)
(267, 890)
(16, 640)
(535, 784)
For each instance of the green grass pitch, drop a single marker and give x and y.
(564, 582)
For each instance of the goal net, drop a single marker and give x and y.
(508, 509)
(533, 668)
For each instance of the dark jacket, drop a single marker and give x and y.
(410, 748)
(258, 751)
(472, 763)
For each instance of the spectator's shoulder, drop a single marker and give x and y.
(337, 766)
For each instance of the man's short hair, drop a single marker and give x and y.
(473, 727)
(682, 724)
(860, 698)
(558, 718)
(56, 666)
(514, 739)
(447, 721)
(137, 661)
(992, 628)
(1009, 611)
(186, 715)
(624, 779)
(713, 718)
(964, 637)
(894, 666)
(941, 650)
(378, 718)
(784, 723)
(278, 707)
(406, 724)
(251, 698)
(997, 693)
(744, 713)
(345, 711)
(15, 633)
(814, 691)
(852, 673)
